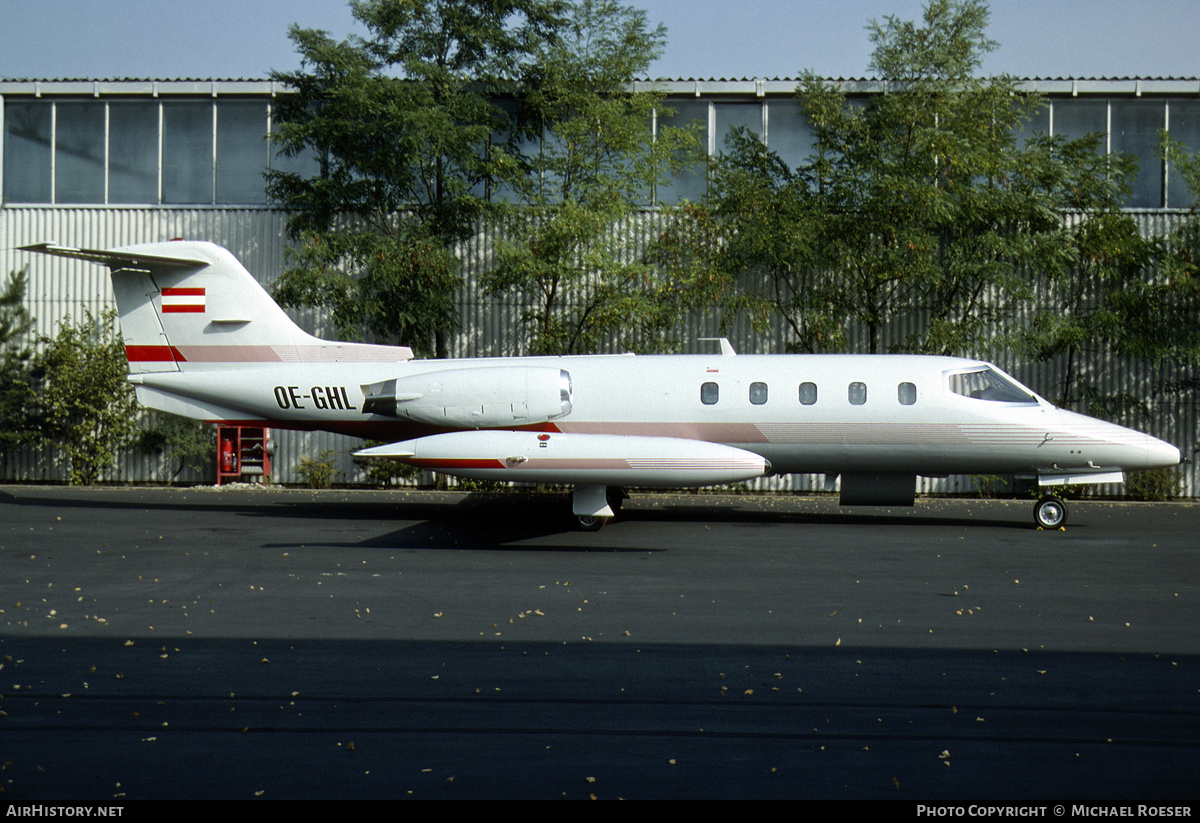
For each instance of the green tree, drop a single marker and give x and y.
(182, 442)
(88, 406)
(1174, 298)
(751, 247)
(17, 380)
(1089, 294)
(1152, 316)
(592, 161)
(919, 202)
(402, 123)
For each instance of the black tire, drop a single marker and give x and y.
(1050, 512)
(590, 522)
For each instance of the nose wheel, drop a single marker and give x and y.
(1050, 512)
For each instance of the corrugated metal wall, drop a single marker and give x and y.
(63, 288)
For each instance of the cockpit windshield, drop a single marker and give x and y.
(988, 384)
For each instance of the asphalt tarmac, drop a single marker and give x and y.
(204, 643)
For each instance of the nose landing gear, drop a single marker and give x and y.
(1050, 512)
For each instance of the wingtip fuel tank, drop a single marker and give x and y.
(586, 459)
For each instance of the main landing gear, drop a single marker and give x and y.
(1050, 512)
(591, 522)
(596, 505)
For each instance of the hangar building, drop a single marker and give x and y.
(103, 163)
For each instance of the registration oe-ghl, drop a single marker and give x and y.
(204, 340)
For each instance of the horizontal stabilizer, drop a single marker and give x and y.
(117, 257)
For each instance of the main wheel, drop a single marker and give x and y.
(1050, 512)
(590, 522)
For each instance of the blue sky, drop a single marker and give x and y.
(51, 39)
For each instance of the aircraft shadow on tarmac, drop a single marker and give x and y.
(505, 521)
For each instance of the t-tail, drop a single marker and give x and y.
(188, 307)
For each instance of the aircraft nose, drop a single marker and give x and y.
(1108, 444)
(1162, 455)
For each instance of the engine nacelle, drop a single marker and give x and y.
(483, 398)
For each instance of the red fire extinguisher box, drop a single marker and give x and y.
(243, 454)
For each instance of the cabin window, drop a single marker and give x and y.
(987, 384)
(758, 393)
(857, 393)
(808, 394)
(709, 393)
(906, 393)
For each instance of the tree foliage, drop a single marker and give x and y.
(1102, 262)
(1164, 313)
(87, 405)
(1180, 282)
(402, 123)
(181, 443)
(1124, 294)
(920, 202)
(17, 377)
(590, 160)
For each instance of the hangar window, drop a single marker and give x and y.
(906, 393)
(79, 170)
(758, 393)
(1135, 127)
(187, 150)
(808, 394)
(709, 393)
(689, 183)
(191, 149)
(1185, 127)
(27, 152)
(133, 152)
(242, 153)
(857, 393)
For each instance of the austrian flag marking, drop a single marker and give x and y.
(183, 300)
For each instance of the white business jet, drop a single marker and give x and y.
(204, 340)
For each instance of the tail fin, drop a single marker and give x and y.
(191, 305)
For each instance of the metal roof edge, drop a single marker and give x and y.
(691, 86)
(146, 87)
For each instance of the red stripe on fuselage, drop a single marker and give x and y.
(153, 354)
(453, 463)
